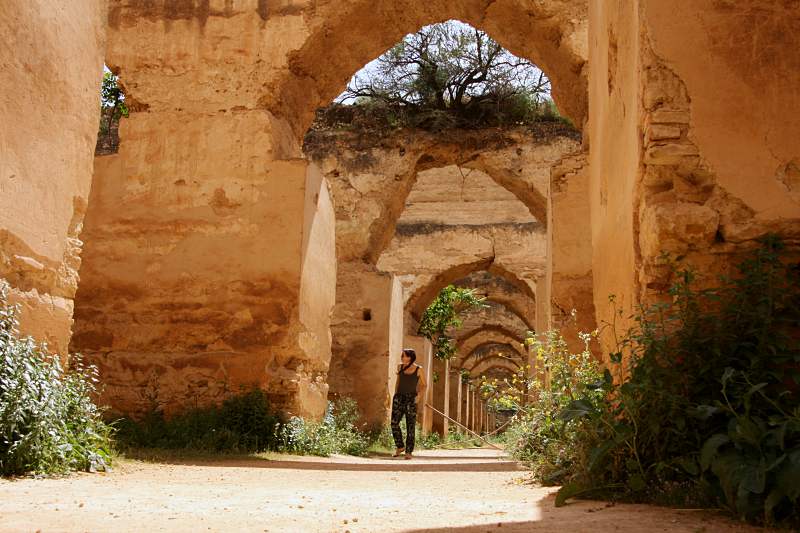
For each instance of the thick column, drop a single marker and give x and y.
(367, 328)
(204, 272)
(569, 252)
(52, 57)
(424, 350)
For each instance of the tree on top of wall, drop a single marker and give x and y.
(444, 315)
(456, 74)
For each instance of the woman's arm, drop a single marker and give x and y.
(421, 386)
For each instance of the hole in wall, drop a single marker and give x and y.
(366, 315)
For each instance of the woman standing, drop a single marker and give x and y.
(409, 392)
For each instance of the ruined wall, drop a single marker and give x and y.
(367, 331)
(455, 217)
(50, 53)
(569, 253)
(691, 151)
(203, 274)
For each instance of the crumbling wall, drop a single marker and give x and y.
(367, 331)
(691, 151)
(51, 52)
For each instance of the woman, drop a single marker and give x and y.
(409, 392)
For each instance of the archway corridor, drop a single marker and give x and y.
(457, 491)
(248, 229)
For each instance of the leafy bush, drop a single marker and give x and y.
(537, 435)
(48, 422)
(706, 397)
(337, 433)
(243, 423)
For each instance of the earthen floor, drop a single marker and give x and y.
(472, 490)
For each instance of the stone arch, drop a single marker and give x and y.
(374, 197)
(440, 155)
(484, 365)
(466, 346)
(421, 298)
(489, 349)
(342, 37)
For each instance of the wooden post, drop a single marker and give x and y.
(446, 422)
(458, 405)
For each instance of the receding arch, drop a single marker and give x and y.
(442, 153)
(422, 298)
(345, 36)
(487, 329)
(492, 349)
(483, 336)
(484, 365)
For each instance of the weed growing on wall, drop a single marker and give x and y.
(48, 421)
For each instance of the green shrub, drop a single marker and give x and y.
(537, 435)
(706, 397)
(48, 422)
(337, 433)
(243, 423)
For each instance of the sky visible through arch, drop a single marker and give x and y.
(371, 68)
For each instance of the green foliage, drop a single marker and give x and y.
(243, 423)
(706, 397)
(48, 422)
(452, 75)
(537, 435)
(112, 102)
(444, 315)
(337, 433)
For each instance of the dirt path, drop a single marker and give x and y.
(462, 491)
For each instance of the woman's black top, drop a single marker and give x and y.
(407, 383)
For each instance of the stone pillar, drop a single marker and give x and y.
(467, 411)
(446, 423)
(204, 272)
(52, 51)
(458, 408)
(424, 350)
(438, 396)
(367, 328)
(569, 252)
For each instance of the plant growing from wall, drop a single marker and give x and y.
(444, 316)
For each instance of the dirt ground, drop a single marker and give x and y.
(473, 490)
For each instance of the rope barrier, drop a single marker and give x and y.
(456, 422)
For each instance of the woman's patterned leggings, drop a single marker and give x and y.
(404, 404)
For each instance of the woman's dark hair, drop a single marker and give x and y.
(412, 355)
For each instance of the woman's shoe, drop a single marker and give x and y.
(408, 456)
(398, 452)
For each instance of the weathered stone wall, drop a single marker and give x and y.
(367, 331)
(691, 150)
(205, 274)
(569, 253)
(52, 64)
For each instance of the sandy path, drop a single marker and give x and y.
(464, 491)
